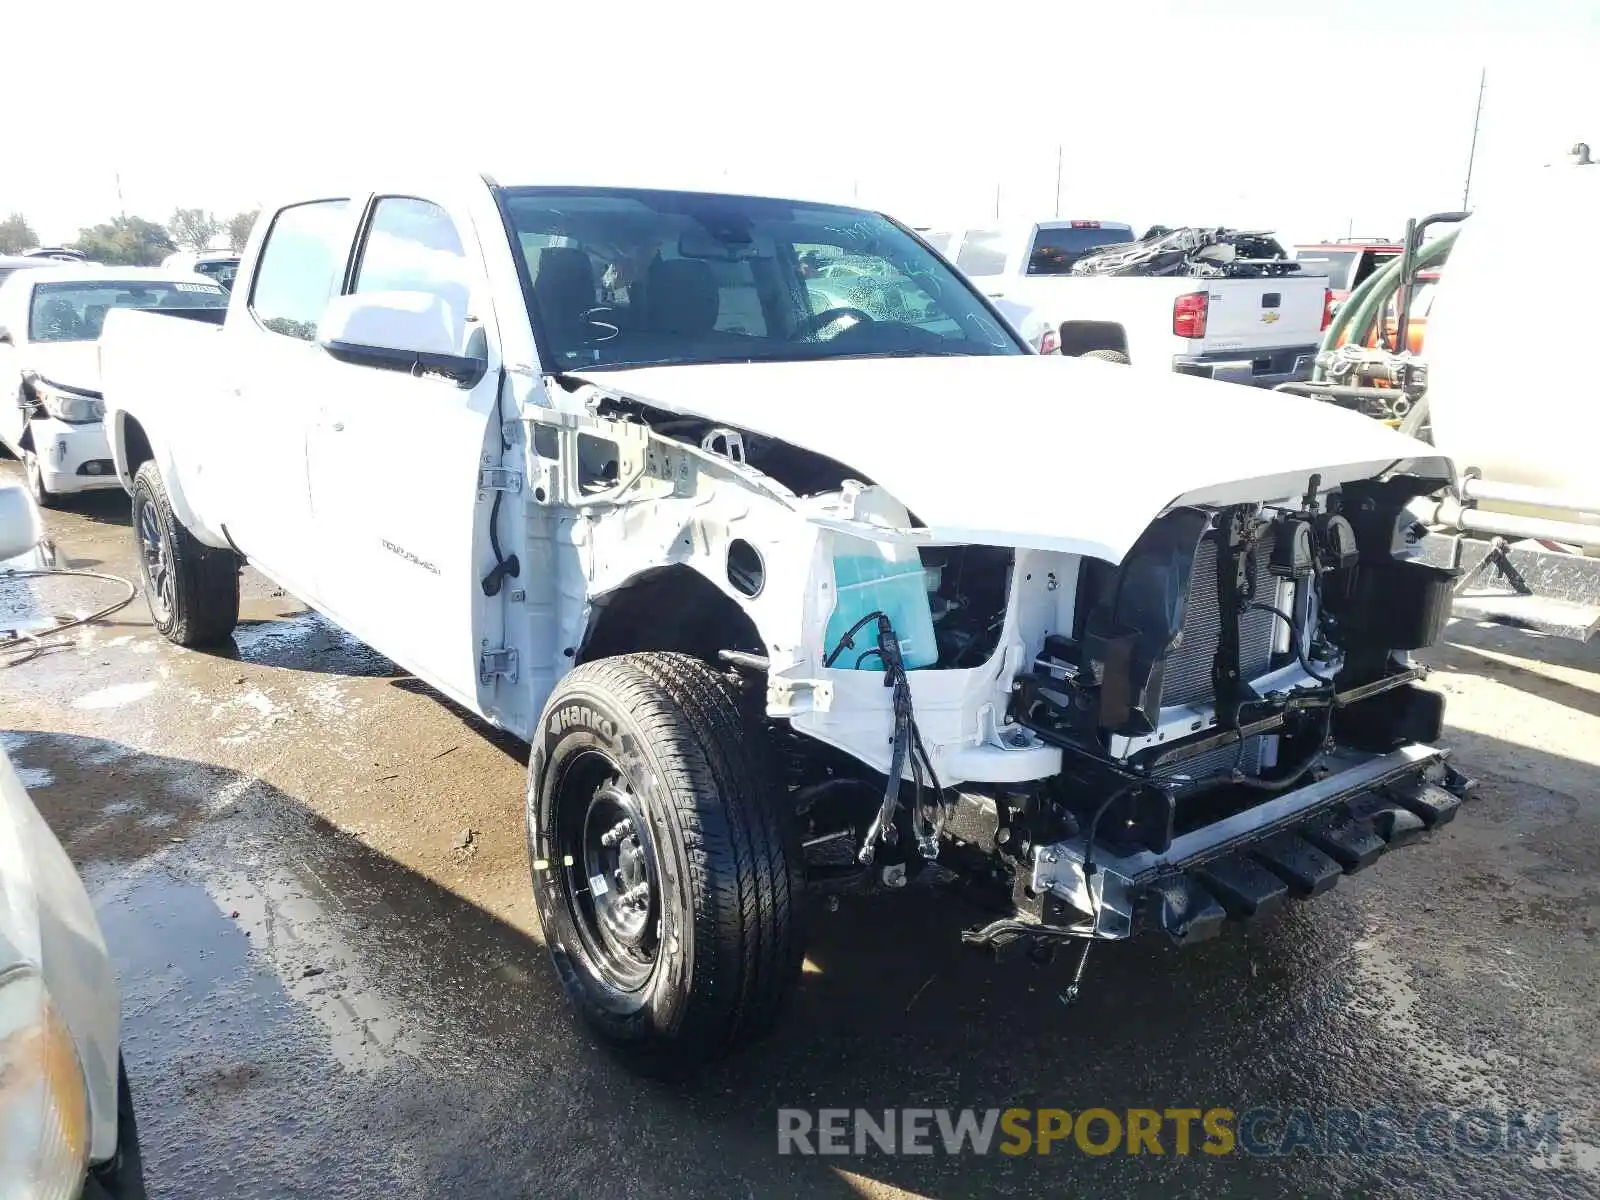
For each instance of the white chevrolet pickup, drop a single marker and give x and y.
(791, 592)
(1259, 329)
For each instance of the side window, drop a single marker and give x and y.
(300, 267)
(982, 253)
(412, 246)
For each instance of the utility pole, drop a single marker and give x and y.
(122, 205)
(1058, 179)
(1472, 154)
(997, 202)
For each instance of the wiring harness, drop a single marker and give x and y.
(926, 818)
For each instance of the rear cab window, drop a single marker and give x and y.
(300, 267)
(1338, 265)
(1056, 248)
(1347, 267)
(1372, 261)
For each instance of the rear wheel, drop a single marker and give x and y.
(1116, 356)
(192, 589)
(663, 865)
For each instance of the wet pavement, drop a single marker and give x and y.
(310, 873)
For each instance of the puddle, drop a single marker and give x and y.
(35, 778)
(1387, 993)
(116, 696)
(309, 642)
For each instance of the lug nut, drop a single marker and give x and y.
(637, 896)
(617, 832)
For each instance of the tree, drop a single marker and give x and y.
(125, 241)
(16, 235)
(193, 228)
(239, 229)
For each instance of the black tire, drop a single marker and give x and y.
(42, 496)
(1116, 356)
(719, 942)
(192, 589)
(123, 1177)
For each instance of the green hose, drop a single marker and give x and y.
(1359, 314)
(1356, 312)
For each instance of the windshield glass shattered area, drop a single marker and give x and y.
(631, 278)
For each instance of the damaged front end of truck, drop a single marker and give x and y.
(1161, 719)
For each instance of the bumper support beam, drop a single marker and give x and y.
(1245, 866)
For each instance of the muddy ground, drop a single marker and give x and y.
(311, 875)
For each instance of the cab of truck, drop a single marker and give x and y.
(1042, 248)
(1347, 263)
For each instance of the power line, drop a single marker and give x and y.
(1058, 179)
(1472, 154)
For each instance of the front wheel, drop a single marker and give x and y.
(192, 588)
(42, 495)
(663, 865)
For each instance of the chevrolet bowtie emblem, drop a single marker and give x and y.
(1269, 316)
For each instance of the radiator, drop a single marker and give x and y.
(1219, 761)
(1188, 670)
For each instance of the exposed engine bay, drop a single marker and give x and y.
(1236, 655)
(1222, 717)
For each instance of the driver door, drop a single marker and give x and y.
(400, 518)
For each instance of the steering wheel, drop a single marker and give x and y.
(817, 321)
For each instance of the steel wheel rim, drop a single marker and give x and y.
(613, 885)
(155, 560)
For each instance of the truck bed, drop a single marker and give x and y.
(158, 362)
(1243, 314)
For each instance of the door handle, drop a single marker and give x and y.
(337, 426)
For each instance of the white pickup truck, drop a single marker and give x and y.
(1255, 331)
(792, 593)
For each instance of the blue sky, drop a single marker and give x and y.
(1308, 118)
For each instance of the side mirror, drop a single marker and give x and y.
(20, 530)
(415, 332)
